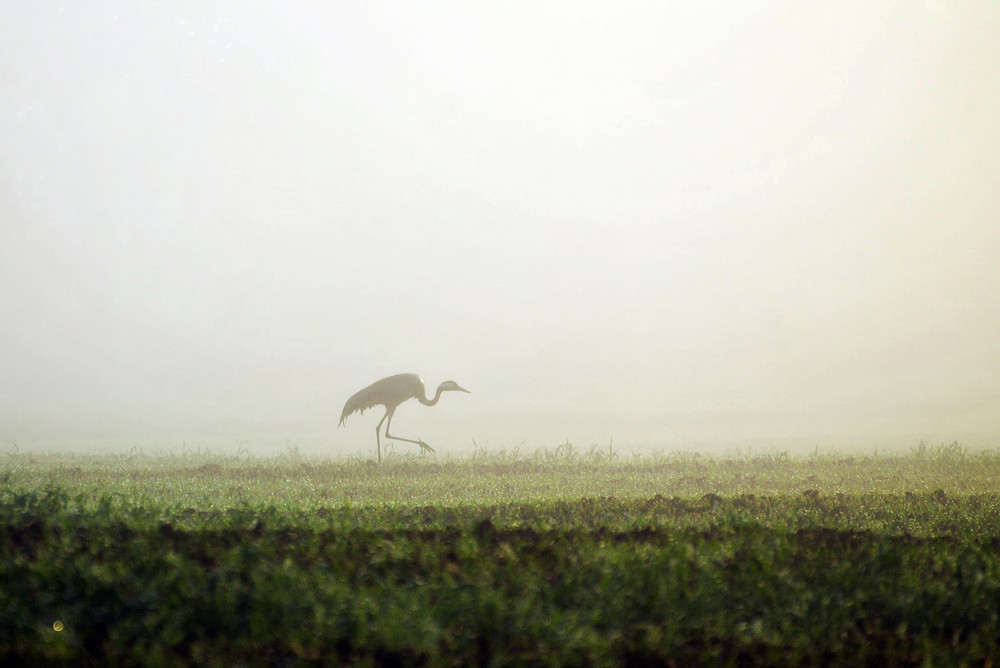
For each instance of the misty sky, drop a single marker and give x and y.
(674, 224)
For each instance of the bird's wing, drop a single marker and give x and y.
(388, 392)
(360, 401)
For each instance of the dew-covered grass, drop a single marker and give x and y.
(202, 480)
(562, 557)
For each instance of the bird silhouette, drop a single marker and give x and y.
(391, 392)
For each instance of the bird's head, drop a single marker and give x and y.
(451, 385)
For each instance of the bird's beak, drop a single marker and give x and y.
(464, 390)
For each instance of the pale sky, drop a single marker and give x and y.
(677, 225)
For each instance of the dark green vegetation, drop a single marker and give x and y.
(502, 559)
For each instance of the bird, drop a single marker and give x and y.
(391, 392)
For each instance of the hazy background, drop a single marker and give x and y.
(680, 225)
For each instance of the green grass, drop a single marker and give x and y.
(554, 558)
(203, 479)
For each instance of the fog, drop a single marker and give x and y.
(675, 226)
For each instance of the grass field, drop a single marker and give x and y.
(561, 557)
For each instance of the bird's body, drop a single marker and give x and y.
(391, 392)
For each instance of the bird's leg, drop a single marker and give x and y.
(378, 441)
(423, 446)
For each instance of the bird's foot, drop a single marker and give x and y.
(424, 447)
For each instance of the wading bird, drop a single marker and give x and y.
(391, 392)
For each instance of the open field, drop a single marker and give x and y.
(561, 557)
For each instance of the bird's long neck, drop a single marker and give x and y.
(429, 402)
